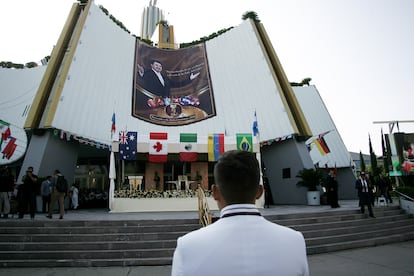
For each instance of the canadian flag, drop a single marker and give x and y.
(158, 150)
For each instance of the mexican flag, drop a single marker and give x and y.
(188, 147)
(158, 147)
(244, 142)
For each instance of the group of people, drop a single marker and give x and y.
(367, 191)
(52, 189)
(256, 245)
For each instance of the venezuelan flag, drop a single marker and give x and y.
(215, 146)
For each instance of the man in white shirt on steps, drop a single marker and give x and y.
(241, 242)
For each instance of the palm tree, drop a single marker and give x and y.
(163, 23)
(310, 178)
(252, 15)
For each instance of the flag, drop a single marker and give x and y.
(188, 147)
(113, 126)
(255, 125)
(128, 145)
(313, 138)
(244, 142)
(215, 146)
(5, 131)
(321, 145)
(10, 148)
(158, 147)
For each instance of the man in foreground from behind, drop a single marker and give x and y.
(241, 242)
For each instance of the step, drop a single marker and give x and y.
(60, 243)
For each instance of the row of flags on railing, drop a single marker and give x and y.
(158, 145)
(69, 136)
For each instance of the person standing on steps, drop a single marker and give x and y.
(332, 189)
(6, 186)
(28, 191)
(59, 190)
(365, 193)
(45, 190)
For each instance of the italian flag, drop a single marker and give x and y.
(188, 147)
(158, 147)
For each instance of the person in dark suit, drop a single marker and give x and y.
(155, 81)
(365, 193)
(28, 191)
(332, 189)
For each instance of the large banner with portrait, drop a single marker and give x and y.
(404, 143)
(171, 87)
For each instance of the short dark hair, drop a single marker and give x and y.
(237, 175)
(156, 60)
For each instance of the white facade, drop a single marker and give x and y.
(101, 76)
(99, 83)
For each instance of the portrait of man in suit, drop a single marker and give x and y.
(156, 82)
(171, 87)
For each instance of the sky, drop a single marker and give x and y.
(359, 53)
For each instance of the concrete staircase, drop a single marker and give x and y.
(55, 243)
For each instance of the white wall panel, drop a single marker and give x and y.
(100, 83)
(18, 88)
(320, 121)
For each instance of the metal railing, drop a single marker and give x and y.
(204, 213)
(404, 195)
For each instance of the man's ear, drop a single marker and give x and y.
(216, 192)
(218, 197)
(260, 191)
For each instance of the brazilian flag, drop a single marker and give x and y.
(244, 141)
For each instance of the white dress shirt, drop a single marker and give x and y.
(241, 242)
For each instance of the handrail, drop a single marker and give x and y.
(404, 195)
(204, 213)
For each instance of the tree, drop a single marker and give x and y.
(252, 15)
(361, 162)
(310, 178)
(385, 155)
(374, 165)
(305, 81)
(163, 23)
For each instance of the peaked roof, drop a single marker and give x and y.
(90, 77)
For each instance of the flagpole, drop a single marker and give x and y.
(256, 134)
(112, 167)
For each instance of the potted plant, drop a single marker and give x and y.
(310, 179)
